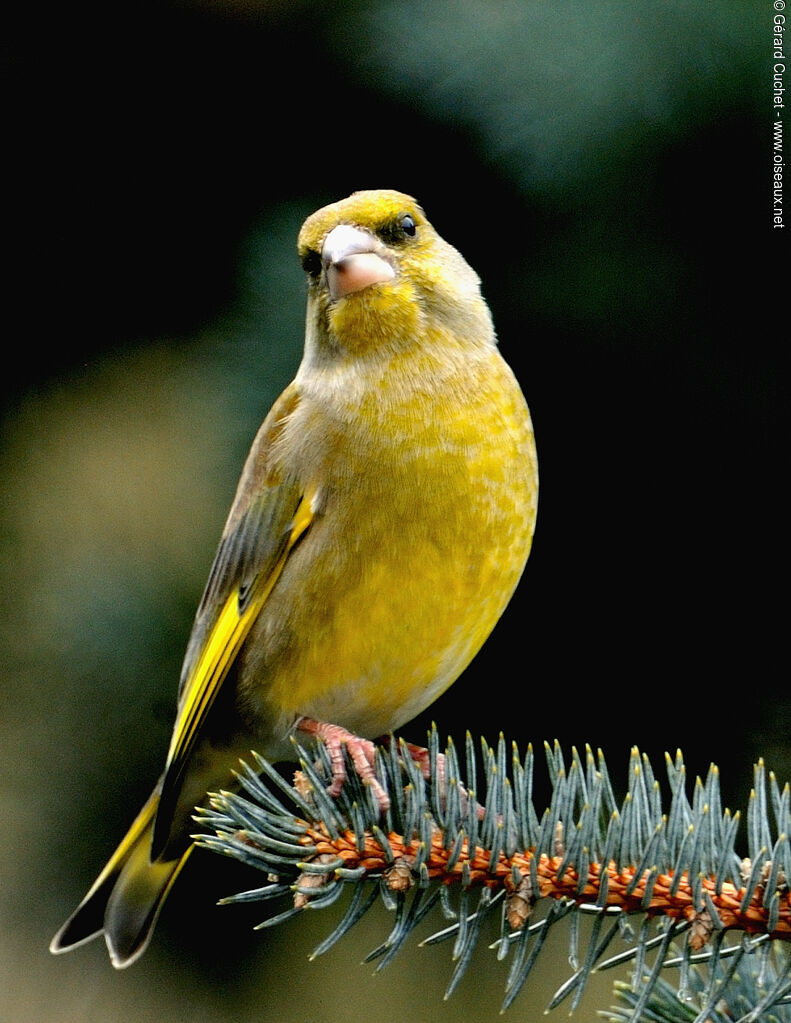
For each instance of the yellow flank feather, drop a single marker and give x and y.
(382, 522)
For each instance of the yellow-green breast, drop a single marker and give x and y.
(426, 493)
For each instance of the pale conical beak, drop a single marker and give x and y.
(352, 261)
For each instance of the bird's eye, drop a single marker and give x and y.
(396, 231)
(408, 225)
(311, 263)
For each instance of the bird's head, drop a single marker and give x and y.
(380, 278)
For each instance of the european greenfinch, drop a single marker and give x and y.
(382, 521)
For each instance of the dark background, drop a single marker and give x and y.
(607, 173)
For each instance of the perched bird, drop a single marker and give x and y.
(382, 521)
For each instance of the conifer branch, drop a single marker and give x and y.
(676, 868)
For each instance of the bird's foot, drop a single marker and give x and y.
(422, 758)
(361, 752)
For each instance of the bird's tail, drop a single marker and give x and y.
(126, 898)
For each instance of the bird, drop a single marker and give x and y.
(382, 521)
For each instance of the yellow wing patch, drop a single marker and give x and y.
(211, 668)
(222, 646)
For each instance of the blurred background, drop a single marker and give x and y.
(604, 167)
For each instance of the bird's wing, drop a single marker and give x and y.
(270, 514)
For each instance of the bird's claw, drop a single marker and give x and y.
(361, 751)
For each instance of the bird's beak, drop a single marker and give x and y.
(352, 261)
